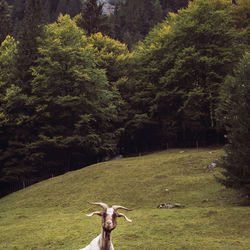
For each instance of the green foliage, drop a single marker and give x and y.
(237, 121)
(64, 116)
(8, 53)
(111, 55)
(68, 86)
(176, 76)
(11, 112)
(241, 20)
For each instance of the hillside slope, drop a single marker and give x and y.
(51, 214)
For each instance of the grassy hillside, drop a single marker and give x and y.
(51, 214)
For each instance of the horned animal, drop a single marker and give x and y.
(109, 221)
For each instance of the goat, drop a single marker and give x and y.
(109, 217)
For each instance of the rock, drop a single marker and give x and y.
(212, 165)
(170, 205)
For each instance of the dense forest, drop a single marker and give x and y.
(80, 85)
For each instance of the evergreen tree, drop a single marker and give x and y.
(92, 19)
(72, 7)
(5, 20)
(13, 118)
(134, 19)
(31, 29)
(173, 6)
(237, 120)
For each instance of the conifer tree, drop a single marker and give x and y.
(134, 18)
(72, 7)
(5, 20)
(30, 30)
(13, 130)
(237, 121)
(92, 19)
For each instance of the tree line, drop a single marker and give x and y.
(71, 95)
(126, 20)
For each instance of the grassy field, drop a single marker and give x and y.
(51, 214)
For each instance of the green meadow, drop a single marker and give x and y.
(51, 214)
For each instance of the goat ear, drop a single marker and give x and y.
(124, 216)
(98, 213)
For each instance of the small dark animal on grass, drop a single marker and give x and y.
(109, 221)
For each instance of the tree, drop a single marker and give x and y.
(5, 21)
(241, 20)
(13, 129)
(172, 5)
(113, 57)
(175, 77)
(16, 100)
(92, 19)
(69, 86)
(237, 121)
(72, 7)
(134, 18)
(27, 49)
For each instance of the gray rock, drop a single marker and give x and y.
(170, 205)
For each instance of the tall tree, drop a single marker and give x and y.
(237, 120)
(134, 19)
(13, 129)
(172, 5)
(92, 19)
(5, 20)
(72, 7)
(30, 30)
(69, 86)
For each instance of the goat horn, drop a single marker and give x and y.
(120, 207)
(124, 216)
(98, 213)
(103, 205)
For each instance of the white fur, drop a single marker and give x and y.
(110, 211)
(95, 244)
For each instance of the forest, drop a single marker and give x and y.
(79, 86)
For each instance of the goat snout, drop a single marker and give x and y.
(109, 223)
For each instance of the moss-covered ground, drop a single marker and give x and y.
(51, 214)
